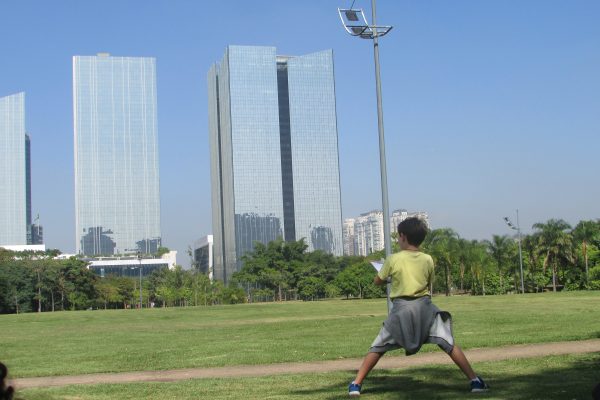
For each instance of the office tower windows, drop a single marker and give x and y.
(274, 153)
(116, 155)
(14, 200)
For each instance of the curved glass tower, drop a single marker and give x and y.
(274, 153)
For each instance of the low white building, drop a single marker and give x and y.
(25, 247)
(130, 265)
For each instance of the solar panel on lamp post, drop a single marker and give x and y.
(356, 24)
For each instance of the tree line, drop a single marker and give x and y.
(38, 281)
(554, 257)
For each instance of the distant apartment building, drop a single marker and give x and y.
(202, 255)
(364, 235)
(117, 202)
(37, 234)
(274, 153)
(16, 228)
(400, 215)
(348, 237)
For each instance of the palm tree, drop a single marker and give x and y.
(585, 232)
(500, 248)
(530, 243)
(443, 246)
(555, 243)
(479, 260)
(464, 258)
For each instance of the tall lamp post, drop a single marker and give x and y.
(139, 257)
(356, 24)
(518, 229)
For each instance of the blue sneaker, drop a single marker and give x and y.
(478, 385)
(354, 390)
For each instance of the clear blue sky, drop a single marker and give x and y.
(489, 106)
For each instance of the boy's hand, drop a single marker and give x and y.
(379, 281)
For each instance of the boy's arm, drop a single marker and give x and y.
(382, 277)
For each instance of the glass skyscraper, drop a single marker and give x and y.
(116, 155)
(274, 153)
(14, 199)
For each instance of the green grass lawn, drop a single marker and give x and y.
(66, 343)
(548, 378)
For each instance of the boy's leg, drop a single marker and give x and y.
(460, 359)
(367, 365)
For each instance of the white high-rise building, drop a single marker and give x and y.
(364, 235)
(348, 237)
(368, 233)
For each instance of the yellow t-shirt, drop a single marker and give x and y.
(411, 272)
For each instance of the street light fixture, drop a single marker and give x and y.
(518, 229)
(139, 257)
(356, 24)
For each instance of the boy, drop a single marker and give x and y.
(414, 319)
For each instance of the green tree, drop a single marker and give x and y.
(464, 259)
(16, 286)
(444, 246)
(585, 232)
(478, 260)
(233, 294)
(108, 291)
(311, 288)
(273, 265)
(533, 262)
(357, 281)
(501, 249)
(555, 243)
(161, 251)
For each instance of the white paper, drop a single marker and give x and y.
(377, 265)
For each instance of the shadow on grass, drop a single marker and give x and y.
(572, 380)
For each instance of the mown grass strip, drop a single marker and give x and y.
(548, 378)
(71, 343)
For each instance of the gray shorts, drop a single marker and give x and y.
(440, 333)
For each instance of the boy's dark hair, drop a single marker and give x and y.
(414, 229)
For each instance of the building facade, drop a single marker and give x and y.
(274, 153)
(116, 155)
(14, 201)
(202, 256)
(349, 237)
(131, 266)
(364, 235)
(368, 233)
